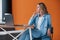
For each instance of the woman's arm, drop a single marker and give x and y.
(32, 19)
(49, 26)
(27, 26)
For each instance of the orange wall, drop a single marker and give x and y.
(23, 9)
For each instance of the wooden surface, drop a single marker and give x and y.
(20, 27)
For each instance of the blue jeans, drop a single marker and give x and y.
(26, 36)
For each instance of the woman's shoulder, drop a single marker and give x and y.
(48, 16)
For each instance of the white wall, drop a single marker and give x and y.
(0, 10)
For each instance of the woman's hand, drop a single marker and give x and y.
(32, 27)
(49, 32)
(34, 13)
(26, 26)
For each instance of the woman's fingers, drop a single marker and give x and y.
(48, 32)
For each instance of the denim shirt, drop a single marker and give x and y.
(44, 25)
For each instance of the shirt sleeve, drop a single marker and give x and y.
(32, 19)
(49, 22)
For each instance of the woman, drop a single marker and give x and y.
(40, 24)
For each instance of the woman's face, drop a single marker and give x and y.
(39, 10)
